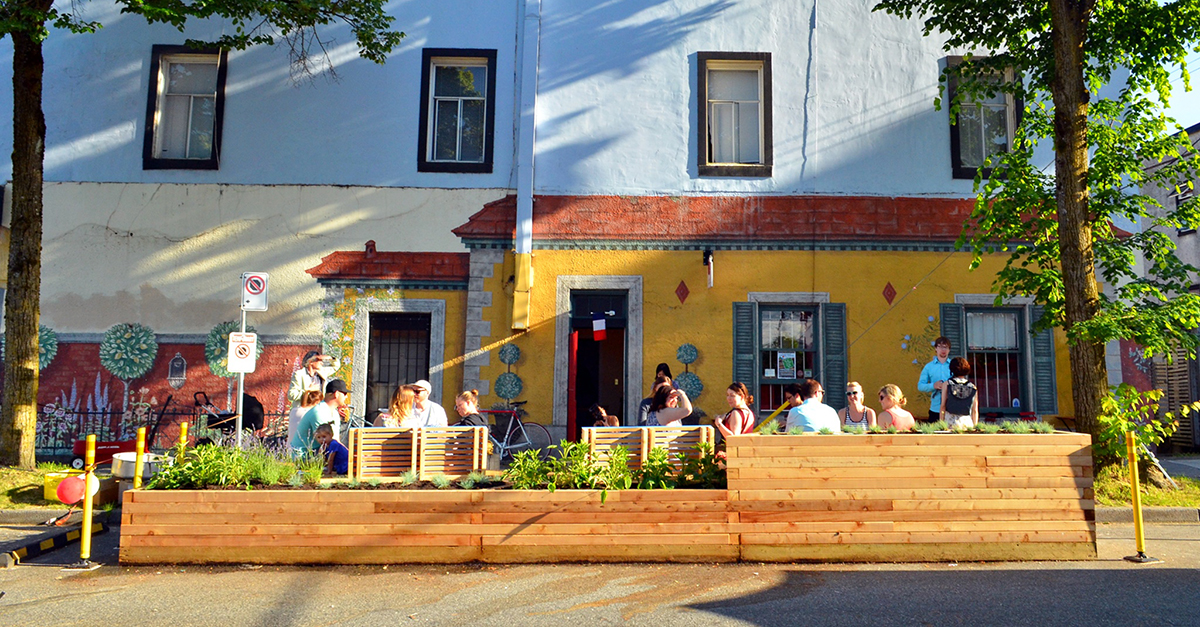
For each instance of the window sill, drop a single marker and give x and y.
(180, 164)
(754, 171)
(452, 166)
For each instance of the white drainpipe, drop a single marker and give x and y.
(530, 34)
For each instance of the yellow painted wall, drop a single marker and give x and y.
(456, 313)
(875, 329)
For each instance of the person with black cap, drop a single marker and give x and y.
(304, 439)
(315, 370)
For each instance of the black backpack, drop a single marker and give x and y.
(959, 397)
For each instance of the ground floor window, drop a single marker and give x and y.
(780, 343)
(397, 353)
(1012, 365)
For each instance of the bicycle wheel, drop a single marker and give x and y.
(529, 436)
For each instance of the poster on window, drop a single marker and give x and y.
(785, 364)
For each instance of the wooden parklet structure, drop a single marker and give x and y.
(829, 498)
(388, 453)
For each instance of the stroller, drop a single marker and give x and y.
(226, 422)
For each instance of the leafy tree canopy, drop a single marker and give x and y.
(1127, 51)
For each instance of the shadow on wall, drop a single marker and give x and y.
(618, 50)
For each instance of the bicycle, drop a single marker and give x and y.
(518, 434)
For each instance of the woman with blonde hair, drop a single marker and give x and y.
(467, 406)
(855, 414)
(400, 411)
(892, 400)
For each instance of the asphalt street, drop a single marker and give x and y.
(1106, 591)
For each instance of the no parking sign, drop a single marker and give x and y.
(243, 353)
(254, 291)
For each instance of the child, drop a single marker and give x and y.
(337, 456)
(960, 402)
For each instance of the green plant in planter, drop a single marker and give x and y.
(310, 467)
(796, 431)
(931, 427)
(354, 483)
(466, 483)
(575, 468)
(703, 471)
(617, 474)
(1041, 427)
(477, 479)
(987, 427)
(825, 431)
(408, 478)
(657, 471)
(854, 430)
(374, 482)
(528, 471)
(440, 481)
(892, 430)
(1016, 427)
(769, 427)
(875, 429)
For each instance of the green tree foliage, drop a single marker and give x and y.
(297, 23)
(1094, 78)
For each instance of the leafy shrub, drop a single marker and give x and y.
(1126, 410)
(310, 467)
(617, 474)
(703, 471)
(528, 471)
(656, 472)
(575, 468)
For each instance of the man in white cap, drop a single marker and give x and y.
(315, 371)
(428, 413)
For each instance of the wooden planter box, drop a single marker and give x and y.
(913, 497)
(829, 498)
(397, 526)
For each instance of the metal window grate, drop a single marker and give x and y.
(398, 353)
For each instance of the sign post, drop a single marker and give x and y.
(254, 298)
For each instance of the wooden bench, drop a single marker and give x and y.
(386, 453)
(639, 441)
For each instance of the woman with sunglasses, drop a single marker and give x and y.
(855, 414)
(892, 400)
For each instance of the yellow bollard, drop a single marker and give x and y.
(182, 440)
(89, 467)
(1138, 530)
(138, 460)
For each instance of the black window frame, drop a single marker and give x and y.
(814, 312)
(958, 170)
(707, 168)
(1023, 355)
(149, 161)
(1180, 199)
(424, 164)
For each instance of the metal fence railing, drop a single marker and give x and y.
(58, 429)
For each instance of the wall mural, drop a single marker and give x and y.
(128, 350)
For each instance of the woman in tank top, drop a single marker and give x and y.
(855, 414)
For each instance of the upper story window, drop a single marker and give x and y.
(184, 109)
(458, 110)
(1181, 199)
(984, 129)
(734, 113)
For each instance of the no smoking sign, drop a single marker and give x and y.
(254, 291)
(243, 352)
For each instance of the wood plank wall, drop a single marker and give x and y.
(828, 498)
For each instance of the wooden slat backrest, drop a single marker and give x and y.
(639, 441)
(383, 452)
(450, 451)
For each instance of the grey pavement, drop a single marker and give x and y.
(1181, 466)
(1106, 591)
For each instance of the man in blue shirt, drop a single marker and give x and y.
(934, 376)
(812, 415)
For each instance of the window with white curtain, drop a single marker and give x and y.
(735, 114)
(183, 119)
(984, 128)
(994, 350)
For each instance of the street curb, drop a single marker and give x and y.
(1149, 514)
(28, 516)
(46, 545)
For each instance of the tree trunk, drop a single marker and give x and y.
(1089, 380)
(18, 417)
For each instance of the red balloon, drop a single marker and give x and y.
(70, 491)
